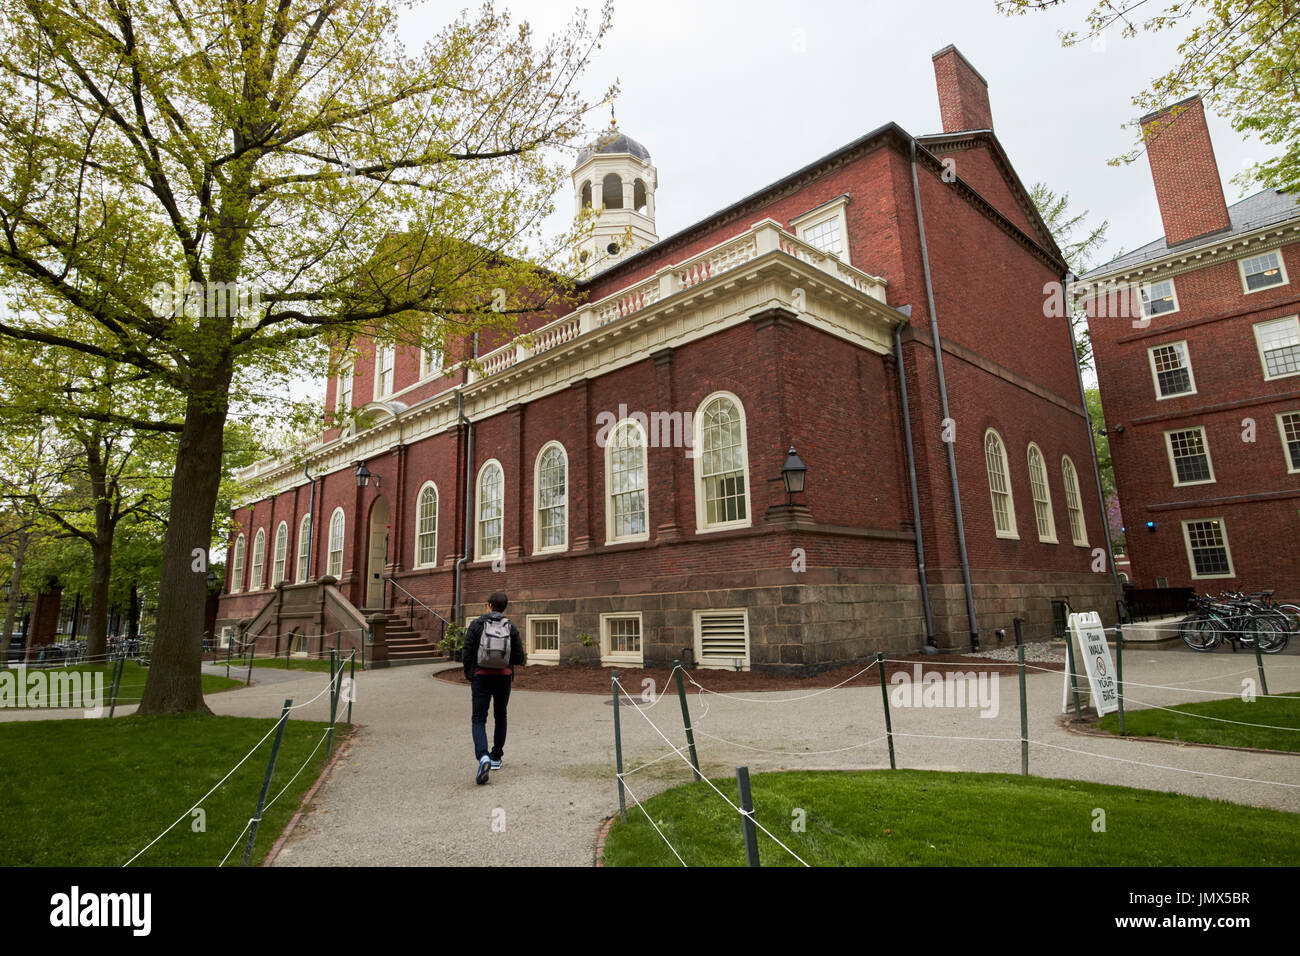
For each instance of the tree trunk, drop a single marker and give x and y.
(102, 562)
(175, 676)
(133, 614)
(15, 589)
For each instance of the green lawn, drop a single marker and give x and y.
(133, 679)
(929, 818)
(1270, 711)
(93, 792)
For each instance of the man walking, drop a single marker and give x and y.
(492, 649)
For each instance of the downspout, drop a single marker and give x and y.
(1092, 448)
(469, 498)
(943, 402)
(930, 646)
(311, 519)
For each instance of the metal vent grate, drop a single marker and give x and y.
(722, 638)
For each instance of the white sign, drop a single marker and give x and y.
(1088, 637)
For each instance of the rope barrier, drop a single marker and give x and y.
(783, 700)
(653, 824)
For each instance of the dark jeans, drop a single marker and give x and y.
(496, 689)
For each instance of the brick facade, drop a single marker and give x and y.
(834, 577)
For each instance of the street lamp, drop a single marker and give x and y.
(363, 475)
(792, 473)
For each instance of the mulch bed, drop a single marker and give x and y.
(589, 679)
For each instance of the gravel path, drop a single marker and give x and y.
(404, 793)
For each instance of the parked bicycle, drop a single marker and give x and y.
(1237, 619)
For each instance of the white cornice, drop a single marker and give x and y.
(1214, 252)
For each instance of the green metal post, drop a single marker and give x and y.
(1074, 681)
(747, 817)
(266, 781)
(1119, 672)
(618, 749)
(884, 696)
(288, 646)
(686, 719)
(249, 679)
(352, 679)
(1024, 702)
(117, 681)
(227, 659)
(1259, 663)
(334, 702)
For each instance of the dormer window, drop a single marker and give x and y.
(384, 371)
(825, 227)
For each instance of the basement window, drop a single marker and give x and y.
(620, 639)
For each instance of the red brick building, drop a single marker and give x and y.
(939, 504)
(1198, 359)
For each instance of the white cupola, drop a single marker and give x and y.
(615, 178)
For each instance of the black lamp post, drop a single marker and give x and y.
(792, 474)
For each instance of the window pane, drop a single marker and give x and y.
(1209, 553)
(1291, 435)
(995, 459)
(546, 635)
(427, 530)
(1262, 271)
(722, 463)
(825, 236)
(625, 635)
(627, 482)
(490, 511)
(1190, 460)
(552, 500)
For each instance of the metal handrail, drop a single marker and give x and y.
(414, 601)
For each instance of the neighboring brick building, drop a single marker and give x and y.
(1198, 360)
(772, 323)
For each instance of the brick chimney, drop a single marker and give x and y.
(1185, 173)
(963, 93)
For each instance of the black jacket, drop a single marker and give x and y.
(475, 632)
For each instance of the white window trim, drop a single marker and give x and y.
(303, 560)
(479, 556)
(238, 555)
(257, 566)
(346, 372)
(537, 510)
(329, 542)
(1014, 533)
(534, 655)
(815, 217)
(437, 515)
(1281, 265)
(1291, 469)
(701, 505)
(1078, 493)
(280, 564)
(437, 366)
(697, 617)
(382, 351)
(1051, 537)
(609, 493)
(1145, 287)
(1259, 344)
(606, 657)
(1227, 549)
(1173, 469)
(1155, 379)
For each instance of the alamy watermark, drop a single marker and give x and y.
(53, 689)
(661, 429)
(975, 689)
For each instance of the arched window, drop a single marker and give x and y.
(639, 202)
(304, 547)
(335, 563)
(612, 190)
(721, 464)
(626, 513)
(259, 559)
(586, 194)
(1042, 496)
(551, 507)
(281, 553)
(426, 527)
(1004, 511)
(237, 567)
(1073, 503)
(491, 510)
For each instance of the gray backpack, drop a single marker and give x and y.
(494, 644)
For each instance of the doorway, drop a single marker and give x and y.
(378, 553)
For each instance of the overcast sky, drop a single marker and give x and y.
(730, 95)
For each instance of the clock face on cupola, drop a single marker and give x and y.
(615, 180)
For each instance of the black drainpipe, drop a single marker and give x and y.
(1092, 448)
(311, 519)
(930, 646)
(469, 498)
(943, 401)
